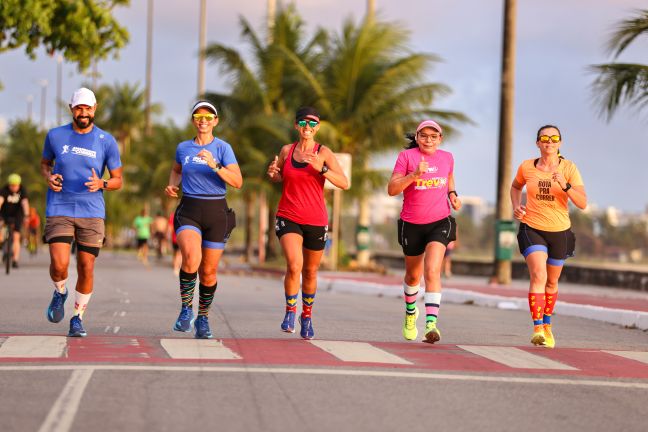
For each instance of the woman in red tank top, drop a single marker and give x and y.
(302, 220)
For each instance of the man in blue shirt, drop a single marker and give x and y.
(75, 157)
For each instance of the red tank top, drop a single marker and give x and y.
(302, 195)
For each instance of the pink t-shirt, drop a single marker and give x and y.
(425, 200)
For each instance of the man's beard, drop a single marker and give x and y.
(83, 122)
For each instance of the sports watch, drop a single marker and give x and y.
(567, 187)
(324, 170)
(105, 184)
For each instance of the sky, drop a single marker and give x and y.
(556, 42)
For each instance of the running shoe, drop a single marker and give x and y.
(410, 332)
(538, 337)
(76, 327)
(550, 342)
(56, 310)
(202, 328)
(306, 327)
(432, 333)
(185, 320)
(288, 324)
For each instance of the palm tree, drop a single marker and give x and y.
(622, 83)
(257, 110)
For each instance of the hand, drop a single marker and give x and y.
(314, 160)
(273, 169)
(421, 168)
(560, 179)
(94, 183)
(171, 191)
(519, 212)
(207, 157)
(455, 202)
(55, 182)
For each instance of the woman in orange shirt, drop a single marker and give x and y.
(545, 237)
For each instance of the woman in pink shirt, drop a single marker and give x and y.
(425, 176)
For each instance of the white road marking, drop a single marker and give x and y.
(198, 349)
(515, 357)
(106, 329)
(116, 329)
(632, 355)
(358, 352)
(122, 313)
(34, 346)
(61, 415)
(339, 372)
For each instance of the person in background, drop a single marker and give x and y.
(14, 208)
(142, 224)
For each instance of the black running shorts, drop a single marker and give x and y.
(415, 237)
(314, 235)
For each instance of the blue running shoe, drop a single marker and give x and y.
(185, 320)
(288, 324)
(56, 311)
(76, 327)
(202, 328)
(306, 327)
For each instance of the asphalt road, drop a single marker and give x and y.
(123, 377)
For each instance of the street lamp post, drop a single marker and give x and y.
(43, 83)
(202, 42)
(504, 210)
(149, 62)
(59, 85)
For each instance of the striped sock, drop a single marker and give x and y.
(432, 304)
(410, 294)
(205, 297)
(536, 306)
(80, 303)
(307, 304)
(550, 303)
(187, 286)
(291, 303)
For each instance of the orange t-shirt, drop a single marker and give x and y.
(546, 206)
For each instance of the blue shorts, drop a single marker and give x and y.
(558, 245)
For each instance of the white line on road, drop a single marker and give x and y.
(33, 346)
(122, 313)
(515, 357)
(338, 372)
(197, 349)
(107, 329)
(632, 355)
(62, 413)
(116, 329)
(358, 352)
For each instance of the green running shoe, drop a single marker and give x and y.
(410, 332)
(432, 333)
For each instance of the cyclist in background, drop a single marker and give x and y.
(33, 230)
(14, 207)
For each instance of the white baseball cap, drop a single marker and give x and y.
(204, 104)
(83, 96)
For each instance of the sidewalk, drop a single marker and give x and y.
(613, 305)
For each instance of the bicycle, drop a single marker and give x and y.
(7, 246)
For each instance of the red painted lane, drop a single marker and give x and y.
(634, 304)
(299, 353)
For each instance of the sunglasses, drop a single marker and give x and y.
(431, 137)
(311, 123)
(208, 117)
(547, 138)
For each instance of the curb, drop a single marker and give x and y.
(622, 317)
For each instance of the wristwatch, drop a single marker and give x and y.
(324, 170)
(567, 187)
(105, 184)
(217, 167)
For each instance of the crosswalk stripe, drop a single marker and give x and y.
(632, 355)
(358, 352)
(515, 357)
(198, 349)
(33, 346)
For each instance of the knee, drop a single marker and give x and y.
(207, 276)
(190, 262)
(412, 279)
(85, 268)
(433, 271)
(58, 270)
(538, 276)
(294, 268)
(551, 286)
(309, 273)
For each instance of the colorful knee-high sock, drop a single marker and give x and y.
(432, 304)
(80, 303)
(187, 286)
(206, 295)
(307, 304)
(410, 294)
(536, 306)
(291, 303)
(550, 303)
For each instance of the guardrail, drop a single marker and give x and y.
(574, 273)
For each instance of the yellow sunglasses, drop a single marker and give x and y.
(208, 117)
(547, 138)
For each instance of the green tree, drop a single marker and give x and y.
(21, 152)
(622, 83)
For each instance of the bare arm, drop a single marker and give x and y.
(116, 180)
(231, 174)
(275, 167)
(54, 181)
(455, 202)
(334, 174)
(175, 177)
(516, 198)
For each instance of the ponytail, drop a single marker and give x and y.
(412, 140)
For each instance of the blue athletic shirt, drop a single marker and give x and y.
(74, 156)
(198, 180)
